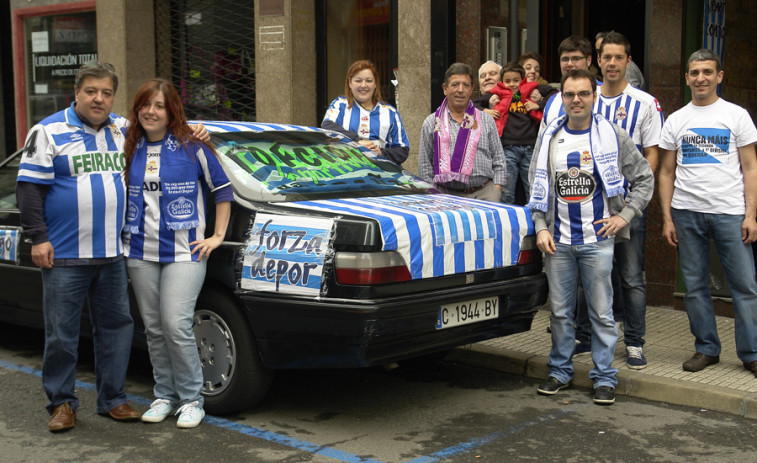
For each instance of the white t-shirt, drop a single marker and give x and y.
(708, 168)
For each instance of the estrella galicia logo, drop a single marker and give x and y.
(575, 185)
(132, 211)
(181, 208)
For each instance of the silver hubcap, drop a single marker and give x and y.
(215, 345)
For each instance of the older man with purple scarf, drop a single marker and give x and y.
(460, 151)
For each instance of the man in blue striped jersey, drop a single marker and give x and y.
(639, 114)
(72, 198)
(577, 203)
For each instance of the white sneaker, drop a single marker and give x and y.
(190, 415)
(159, 410)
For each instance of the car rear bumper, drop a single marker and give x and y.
(310, 333)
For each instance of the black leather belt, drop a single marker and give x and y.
(468, 190)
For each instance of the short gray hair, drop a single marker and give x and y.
(704, 54)
(481, 68)
(96, 69)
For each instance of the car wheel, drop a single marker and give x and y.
(234, 377)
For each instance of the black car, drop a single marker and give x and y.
(334, 258)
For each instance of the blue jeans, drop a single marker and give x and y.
(593, 264)
(65, 289)
(167, 293)
(517, 160)
(694, 230)
(629, 264)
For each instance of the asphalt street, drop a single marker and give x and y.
(420, 412)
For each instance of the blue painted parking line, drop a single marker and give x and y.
(476, 442)
(339, 455)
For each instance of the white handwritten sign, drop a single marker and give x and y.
(286, 254)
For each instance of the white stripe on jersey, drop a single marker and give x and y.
(111, 218)
(84, 196)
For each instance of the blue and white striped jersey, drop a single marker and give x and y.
(382, 124)
(579, 195)
(637, 112)
(156, 243)
(84, 207)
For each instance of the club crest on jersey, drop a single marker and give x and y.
(171, 143)
(586, 158)
(181, 208)
(621, 114)
(575, 185)
(151, 168)
(363, 131)
(114, 130)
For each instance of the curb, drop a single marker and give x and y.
(630, 383)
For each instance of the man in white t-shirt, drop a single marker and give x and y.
(708, 189)
(578, 206)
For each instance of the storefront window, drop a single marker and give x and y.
(56, 46)
(358, 29)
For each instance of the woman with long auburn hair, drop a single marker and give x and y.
(169, 173)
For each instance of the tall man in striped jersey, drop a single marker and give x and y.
(577, 175)
(639, 114)
(72, 200)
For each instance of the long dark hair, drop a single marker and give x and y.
(177, 120)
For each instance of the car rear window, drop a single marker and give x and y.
(292, 165)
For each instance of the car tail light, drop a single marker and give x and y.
(529, 253)
(370, 268)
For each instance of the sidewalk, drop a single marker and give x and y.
(725, 387)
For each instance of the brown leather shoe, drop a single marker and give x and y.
(699, 361)
(124, 413)
(63, 418)
(751, 366)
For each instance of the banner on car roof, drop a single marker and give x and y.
(440, 234)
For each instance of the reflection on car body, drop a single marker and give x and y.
(334, 257)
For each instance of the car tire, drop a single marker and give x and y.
(234, 377)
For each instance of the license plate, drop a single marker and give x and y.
(466, 312)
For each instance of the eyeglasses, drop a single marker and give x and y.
(575, 59)
(582, 94)
(98, 65)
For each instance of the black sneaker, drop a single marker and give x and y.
(604, 395)
(551, 386)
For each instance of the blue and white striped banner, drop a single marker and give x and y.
(714, 29)
(440, 234)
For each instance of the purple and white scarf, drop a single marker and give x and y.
(457, 165)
